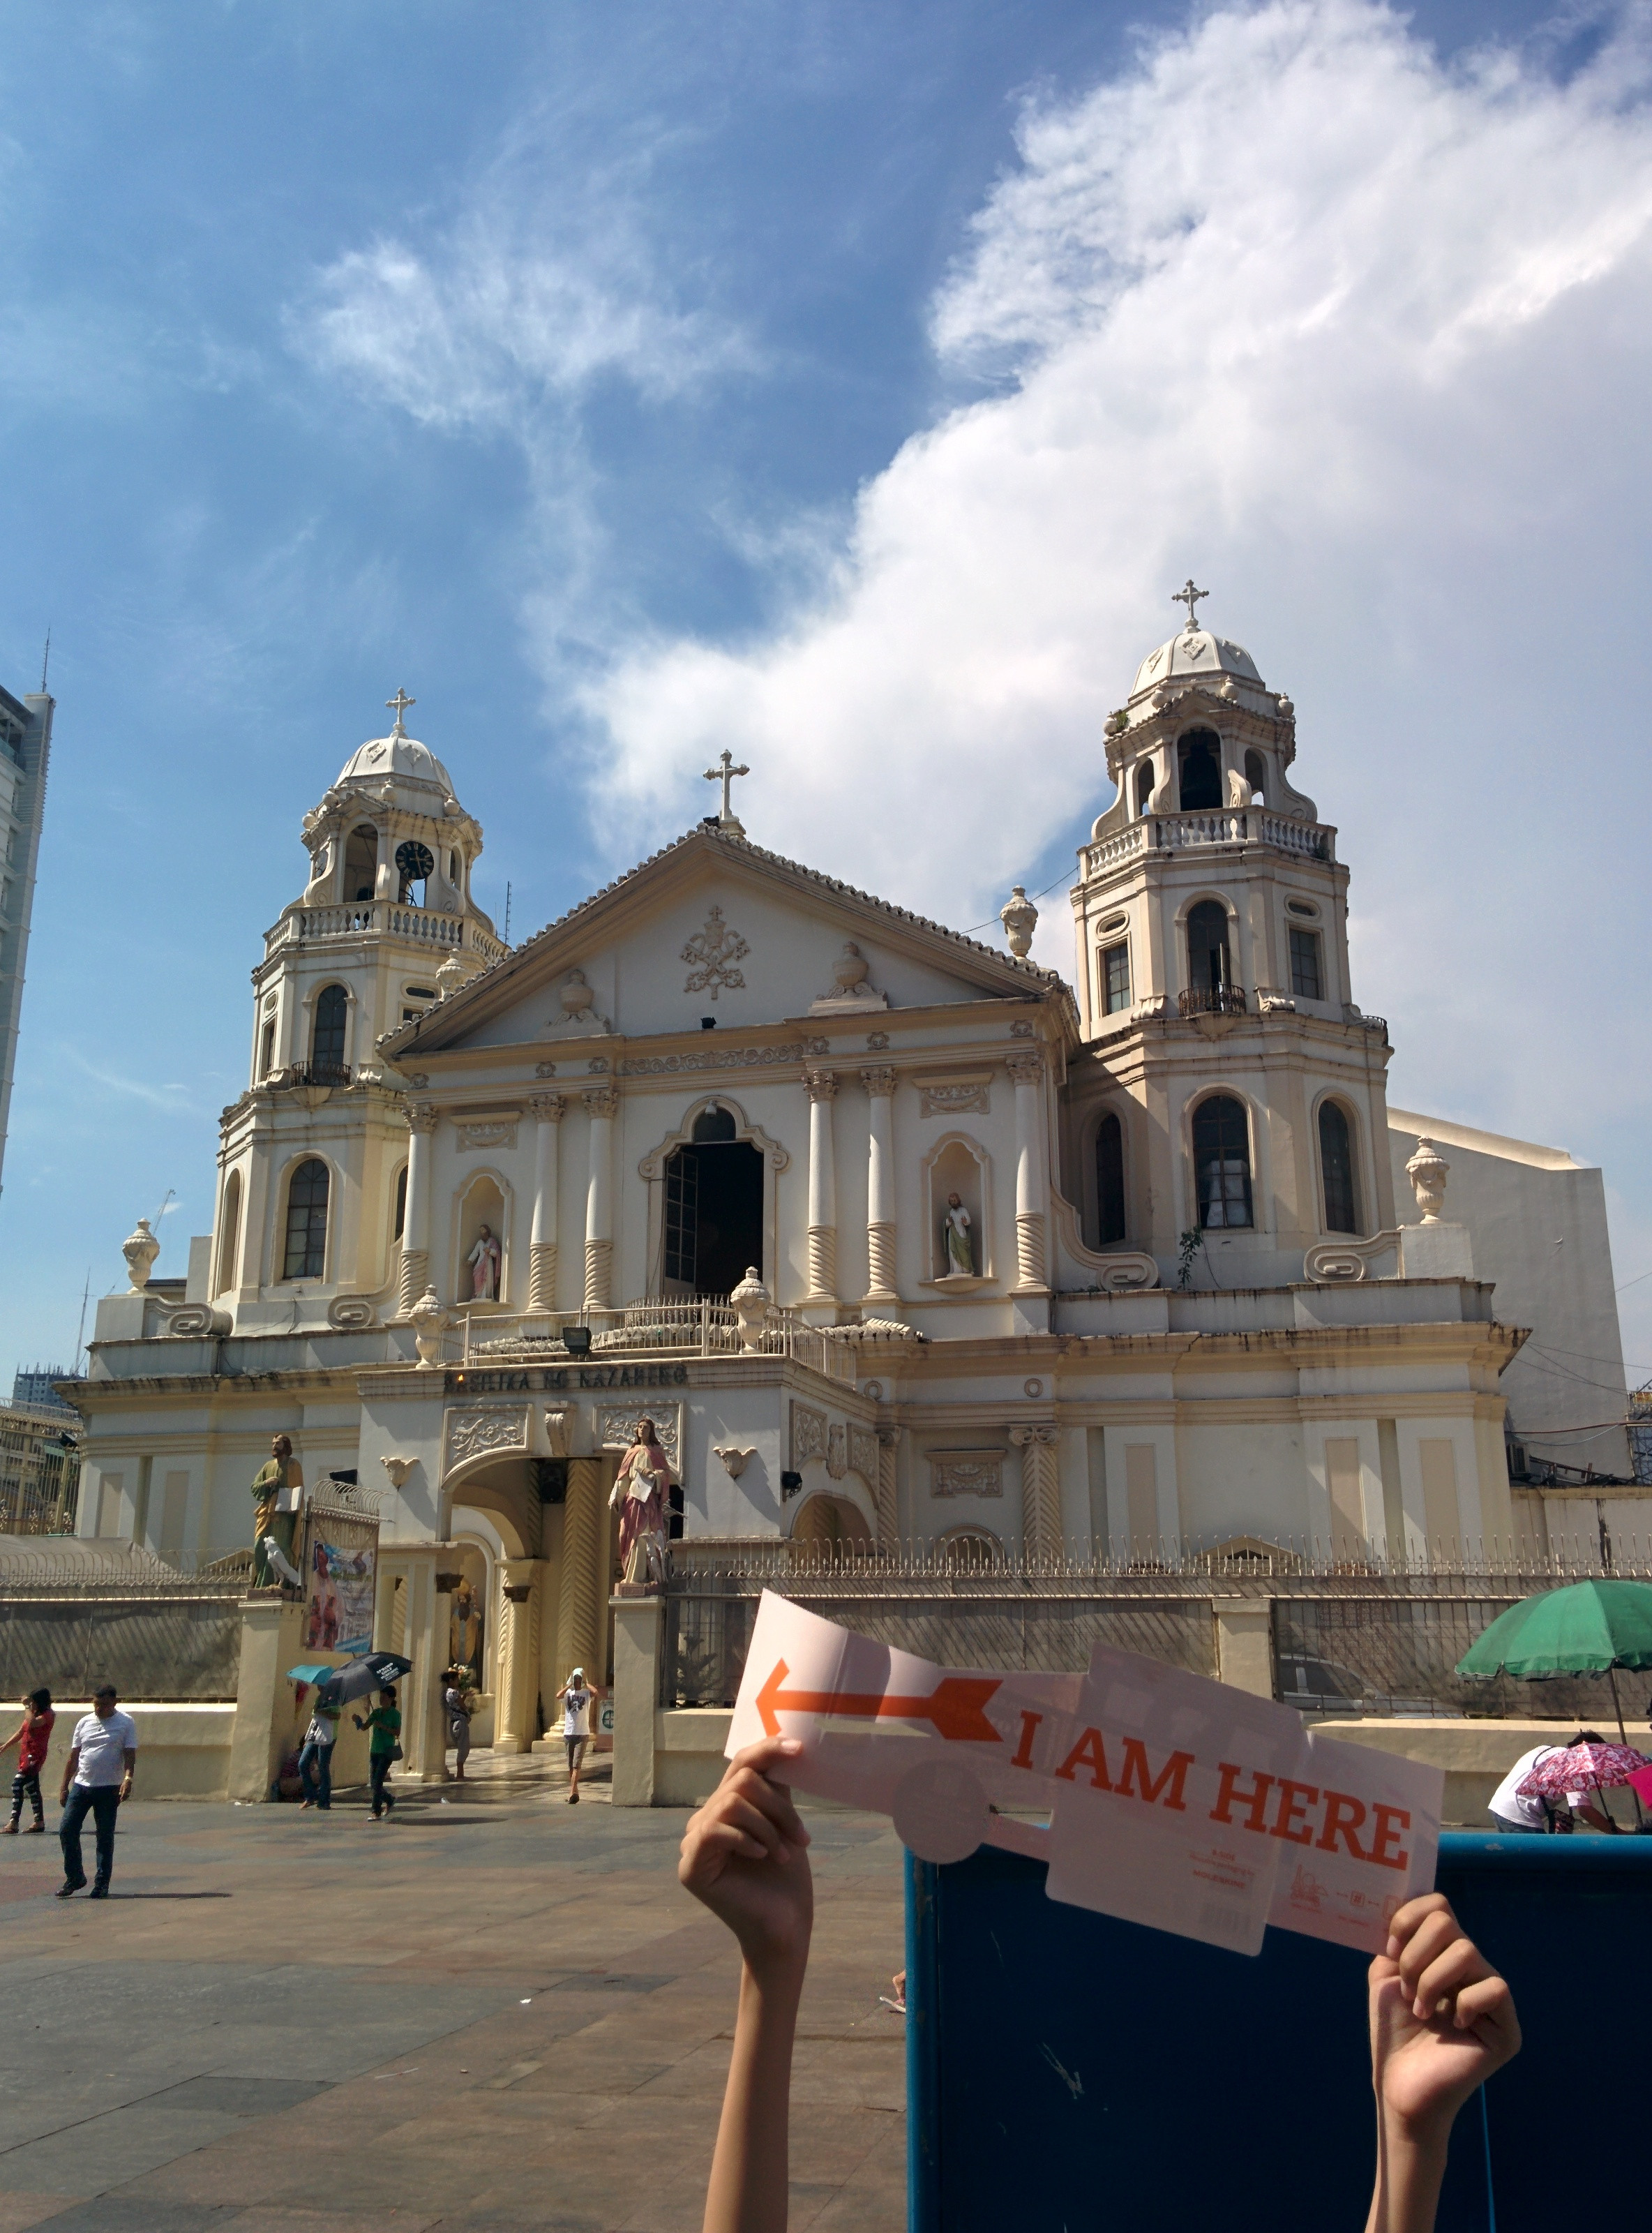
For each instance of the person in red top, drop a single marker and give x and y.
(33, 1734)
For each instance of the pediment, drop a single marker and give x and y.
(713, 926)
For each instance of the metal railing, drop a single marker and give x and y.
(696, 1326)
(1212, 1000)
(309, 1073)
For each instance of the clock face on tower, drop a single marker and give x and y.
(414, 861)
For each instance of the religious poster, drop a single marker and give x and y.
(339, 1593)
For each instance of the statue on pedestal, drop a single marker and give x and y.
(484, 1260)
(954, 1233)
(277, 1497)
(464, 1632)
(639, 1492)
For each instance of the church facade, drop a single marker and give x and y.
(896, 1236)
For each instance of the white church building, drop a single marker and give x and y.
(1112, 1267)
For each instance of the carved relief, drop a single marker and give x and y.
(659, 1065)
(959, 1100)
(863, 1454)
(711, 955)
(500, 1132)
(808, 1435)
(852, 987)
(836, 1450)
(472, 1434)
(617, 1422)
(546, 1108)
(966, 1473)
(1025, 1065)
(880, 1081)
(349, 1314)
(421, 1117)
(601, 1100)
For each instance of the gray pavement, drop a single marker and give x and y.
(496, 2012)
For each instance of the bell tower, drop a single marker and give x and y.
(1232, 1113)
(313, 1157)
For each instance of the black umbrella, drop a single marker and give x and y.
(373, 1671)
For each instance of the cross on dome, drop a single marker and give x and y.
(725, 773)
(1190, 598)
(398, 706)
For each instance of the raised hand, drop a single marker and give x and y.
(745, 1855)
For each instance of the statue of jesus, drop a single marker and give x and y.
(484, 1275)
(640, 1488)
(960, 1254)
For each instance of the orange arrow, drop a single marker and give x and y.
(954, 1705)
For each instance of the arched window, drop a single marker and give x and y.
(1207, 966)
(230, 1234)
(1200, 754)
(360, 862)
(1143, 786)
(327, 1039)
(1254, 773)
(401, 1202)
(1337, 1168)
(713, 1124)
(1222, 1161)
(1109, 1180)
(306, 1252)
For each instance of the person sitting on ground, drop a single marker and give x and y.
(1442, 2019)
(1517, 1815)
(384, 1748)
(33, 1737)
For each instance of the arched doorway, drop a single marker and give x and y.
(713, 1209)
(834, 1520)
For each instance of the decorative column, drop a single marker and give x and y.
(888, 1501)
(424, 1640)
(823, 1187)
(1040, 1490)
(519, 1661)
(584, 1520)
(1026, 1067)
(422, 1121)
(601, 1102)
(880, 1187)
(546, 1110)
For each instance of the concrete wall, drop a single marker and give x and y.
(183, 1751)
(1476, 1755)
(1538, 1221)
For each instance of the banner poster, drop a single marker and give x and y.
(338, 1596)
(1153, 1795)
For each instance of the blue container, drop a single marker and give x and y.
(1067, 2072)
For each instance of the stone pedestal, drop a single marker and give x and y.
(271, 1628)
(637, 1626)
(1245, 1645)
(1435, 1250)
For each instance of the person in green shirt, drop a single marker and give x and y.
(384, 1748)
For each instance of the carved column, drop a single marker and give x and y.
(547, 1111)
(519, 1660)
(1040, 1490)
(601, 1102)
(888, 1500)
(422, 1121)
(1026, 1067)
(583, 1521)
(823, 1187)
(879, 1186)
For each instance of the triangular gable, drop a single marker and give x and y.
(657, 958)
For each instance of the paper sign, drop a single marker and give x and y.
(1173, 1801)
(1155, 1793)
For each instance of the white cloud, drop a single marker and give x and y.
(482, 331)
(1359, 338)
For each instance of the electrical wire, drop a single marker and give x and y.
(991, 922)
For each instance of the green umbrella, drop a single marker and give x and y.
(1589, 1629)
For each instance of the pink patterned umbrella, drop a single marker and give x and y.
(1578, 1767)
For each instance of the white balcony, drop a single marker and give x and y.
(1217, 826)
(382, 919)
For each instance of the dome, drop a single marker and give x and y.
(403, 759)
(1195, 654)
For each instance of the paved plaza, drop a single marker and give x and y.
(496, 2012)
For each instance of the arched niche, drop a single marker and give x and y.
(652, 1167)
(1104, 1175)
(834, 1518)
(229, 1236)
(360, 879)
(483, 1198)
(957, 1164)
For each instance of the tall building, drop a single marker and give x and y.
(25, 751)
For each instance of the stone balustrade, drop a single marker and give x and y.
(391, 918)
(1239, 825)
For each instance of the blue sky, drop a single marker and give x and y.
(851, 384)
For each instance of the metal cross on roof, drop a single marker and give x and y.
(1190, 598)
(398, 706)
(725, 773)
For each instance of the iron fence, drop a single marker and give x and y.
(183, 1647)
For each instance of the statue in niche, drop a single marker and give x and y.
(954, 1233)
(640, 1491)
(483, 1260)
(464, 1636)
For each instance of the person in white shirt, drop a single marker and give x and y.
(97, 1776)
(576, 1726)
(1526, 1816)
